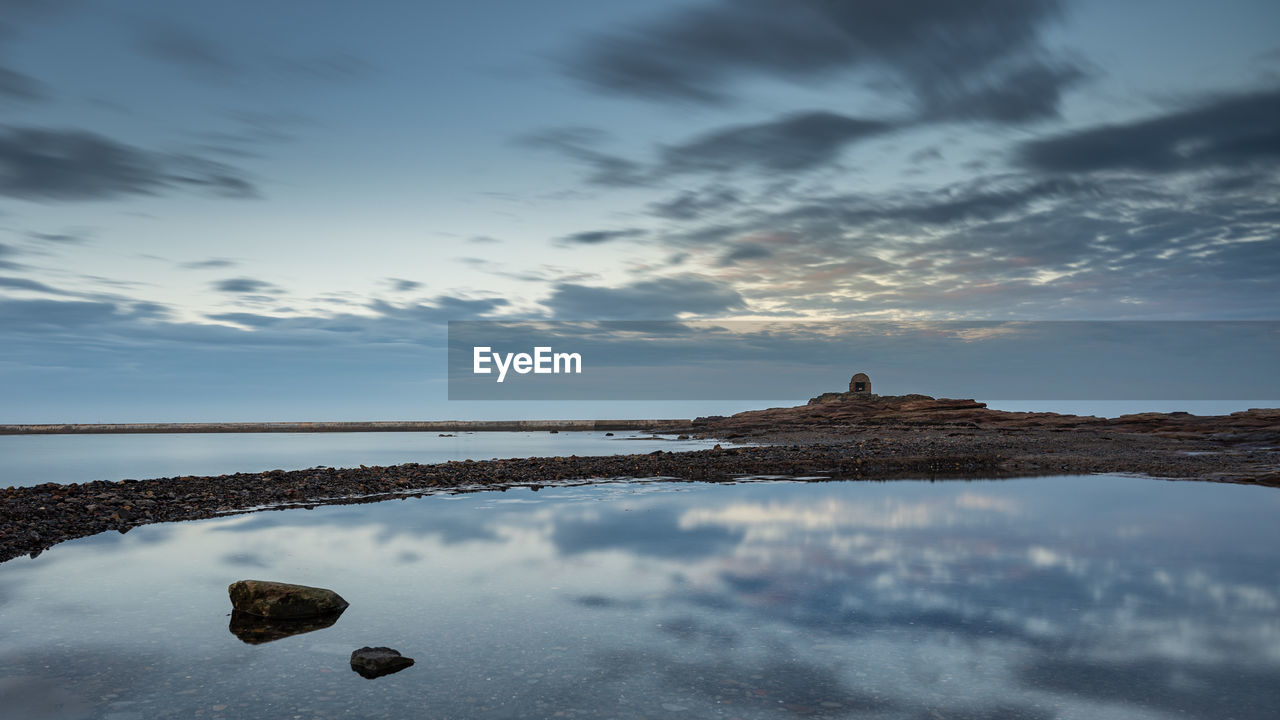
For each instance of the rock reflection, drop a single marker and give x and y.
(256, 630)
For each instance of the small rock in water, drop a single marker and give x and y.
(372, 662)
(282, 601)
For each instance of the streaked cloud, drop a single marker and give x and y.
(74, 165)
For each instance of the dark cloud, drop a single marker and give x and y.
(251, 130)
(691, 204)
(206, 58)
(184, 47)
(402, 285)
(214, 177)
(951, 57)
(929, 154)
(8, 251)
(17, 86)
(210, 264)
(440, 309)
(483, 240)
(39, 315)
(244, 286)
(389, 322)
(596, 237)
(1225, 132)
(579, 143)
(977, 201)
(14, 283)
(62, 238)
(745, 251)
(67, 165)
(1027, 94)
(790, 143)
(657, 299)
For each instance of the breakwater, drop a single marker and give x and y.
(318, 427)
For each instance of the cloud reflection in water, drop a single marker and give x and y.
(1102, 597)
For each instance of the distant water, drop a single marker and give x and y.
(1096, 597)
(33, 459)
(1116, 408)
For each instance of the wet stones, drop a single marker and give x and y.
(374, 662)
(282, 601)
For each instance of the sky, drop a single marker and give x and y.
(270, 211)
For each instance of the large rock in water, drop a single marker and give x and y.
(372, 662)
(282, 601)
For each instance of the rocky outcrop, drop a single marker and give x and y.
(373, 662)
(852, 411)
(282, 601)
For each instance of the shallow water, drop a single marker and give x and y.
(27, 460)
(1071, 597)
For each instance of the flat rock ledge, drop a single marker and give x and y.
(374, 662)
(283, 601)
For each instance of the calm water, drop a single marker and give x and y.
(1076, 597)
(33, 459)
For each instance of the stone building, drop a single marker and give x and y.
(860, 383)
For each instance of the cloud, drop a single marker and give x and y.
(745, 251)
(1231, 131)
(17, 86)
(244, 286)
(387, 322)
(692, 204)
(790, 143)
(70, 165)
(1027, 94)
(8, 251)
(657, 299)
(980, 200)
(794, 142)
(1011, 245)
(14, 283)
(578, 143)
(186, 48)
(61, 238)
(951, 57)
(596, 237)
(210, 264)
(402, 285)
(42, 315)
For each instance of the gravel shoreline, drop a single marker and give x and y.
(33, 519)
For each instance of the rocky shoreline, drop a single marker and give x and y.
(834, 437)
